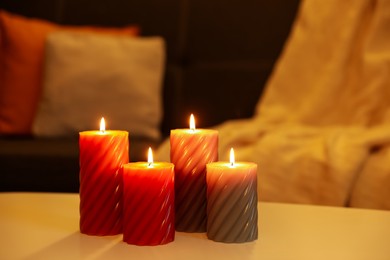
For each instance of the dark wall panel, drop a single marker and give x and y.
(238, 30)
(45, 9)
(219, 94)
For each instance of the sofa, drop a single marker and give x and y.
(218, 56)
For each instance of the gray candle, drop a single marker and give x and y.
(232, 202)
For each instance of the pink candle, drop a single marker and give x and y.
(102, 154)
(148, 203)
(191, 150)
(232, 201)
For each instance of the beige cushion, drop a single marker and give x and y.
(88, 76)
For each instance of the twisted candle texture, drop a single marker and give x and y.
(149, 214)
(232, 205)
(190, 152)
(101, 157)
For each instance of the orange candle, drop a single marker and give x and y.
(232, 201)
(148, 203)
(102, 154)
(191, 150)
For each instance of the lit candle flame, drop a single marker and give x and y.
(102, 125)
(150, 157)
(192, 122)
(232, 160)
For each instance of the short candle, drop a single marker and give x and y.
(148, 199)
(232, 201)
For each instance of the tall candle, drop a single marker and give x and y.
(191, 150)
(148, 197)
(232, 201)
(102, 154)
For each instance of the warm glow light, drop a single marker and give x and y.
(232, 160)
(192, 122)
(102, 125)
(150, 157)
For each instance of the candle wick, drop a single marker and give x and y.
(149, 164)
(231, 164)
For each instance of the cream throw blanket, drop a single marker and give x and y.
(321, 132)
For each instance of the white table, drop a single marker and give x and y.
(45, 226)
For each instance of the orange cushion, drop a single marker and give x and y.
(22, 44)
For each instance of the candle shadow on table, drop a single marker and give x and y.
(77, 246)
(185, 246)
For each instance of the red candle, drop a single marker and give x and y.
(102, 154)
(191, 150)
(232, 201)
(148, 197)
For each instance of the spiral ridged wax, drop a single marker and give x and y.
(232, 202)
(191, 150)
(101, 158)
(148, 204)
